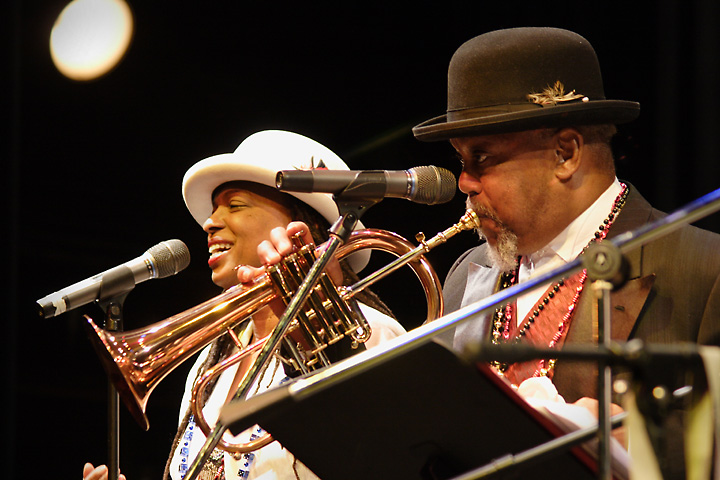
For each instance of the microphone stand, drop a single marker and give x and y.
(607, 267)
(115, 285)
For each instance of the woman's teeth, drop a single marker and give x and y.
(218, 249)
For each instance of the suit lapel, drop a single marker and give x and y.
(626, 305)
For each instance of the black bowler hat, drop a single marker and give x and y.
(522, 79)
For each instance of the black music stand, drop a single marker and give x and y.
(425, 414)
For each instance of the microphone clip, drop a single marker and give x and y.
(115, 285)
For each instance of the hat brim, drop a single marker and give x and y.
(590, 113)
(204, 177)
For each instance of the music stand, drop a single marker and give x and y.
(424, 414)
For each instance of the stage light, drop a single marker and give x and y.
(90, 37)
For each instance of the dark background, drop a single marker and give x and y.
(91, 172)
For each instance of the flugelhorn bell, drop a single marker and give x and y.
(137, 360)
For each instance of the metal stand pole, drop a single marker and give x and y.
(114, 288)
(113, 323)
(602, 289)
(607, 268)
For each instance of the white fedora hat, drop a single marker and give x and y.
(258, 159)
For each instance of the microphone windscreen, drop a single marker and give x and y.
(433, 185)
(170, 257)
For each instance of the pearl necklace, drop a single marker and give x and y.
(503, 315)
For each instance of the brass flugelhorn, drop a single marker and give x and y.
(137, 360)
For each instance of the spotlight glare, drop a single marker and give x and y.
(90, 37)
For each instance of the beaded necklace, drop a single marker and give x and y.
(214, 468)
(504, 315)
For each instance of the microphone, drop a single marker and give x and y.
(164, 259)
(429, 185)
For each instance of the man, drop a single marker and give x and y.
(528, 117)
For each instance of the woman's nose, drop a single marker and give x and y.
(214, 222)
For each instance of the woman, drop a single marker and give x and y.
(232, 196)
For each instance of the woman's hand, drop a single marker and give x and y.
(99, 473)
(279, 245)
(271, 252)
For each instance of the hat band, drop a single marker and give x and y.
(467, 113)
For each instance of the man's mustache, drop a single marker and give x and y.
(483, 211)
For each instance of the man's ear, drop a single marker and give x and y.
(569, 145)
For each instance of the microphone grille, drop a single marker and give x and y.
(433, 185)
(170, 256)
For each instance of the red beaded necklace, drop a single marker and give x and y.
(504, 315)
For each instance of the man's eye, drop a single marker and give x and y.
(460, 159)
(474, 161)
